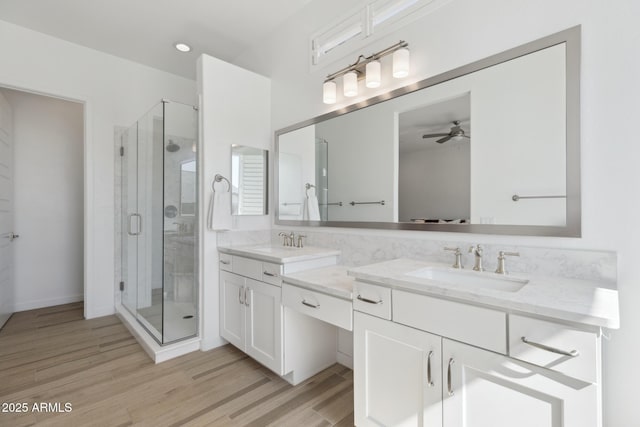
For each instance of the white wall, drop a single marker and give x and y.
(115, 92)
(434, 182)
(234, 109)
(362, 139)
(48, 154)
(297, 161)
(610, 206)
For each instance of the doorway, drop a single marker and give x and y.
(48, 200)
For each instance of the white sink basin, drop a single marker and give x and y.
(471, 279)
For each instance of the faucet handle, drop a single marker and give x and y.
(300, 237)
(458, 254)
(284, 236)
(477, 248)
(501, 257)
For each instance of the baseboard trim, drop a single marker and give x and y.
(344, 360)
(48, 302)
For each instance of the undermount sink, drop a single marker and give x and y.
(471, 279)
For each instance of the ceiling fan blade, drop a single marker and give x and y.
(435, 135)
(445, 139)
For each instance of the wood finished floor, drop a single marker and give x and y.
(53, 355)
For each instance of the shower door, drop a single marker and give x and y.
(159, 221)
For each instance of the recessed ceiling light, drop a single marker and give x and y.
(183, 47)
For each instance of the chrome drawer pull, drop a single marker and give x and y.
(449, 385)
(247, 296)
(572, 353)
(224, 262)
(429, 381)
(266, 273)
(370, 301)
(241, 294)
(308, 304)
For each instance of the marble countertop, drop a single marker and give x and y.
(329, 280)
(581, 301)
(279, 254)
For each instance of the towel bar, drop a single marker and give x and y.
(381, 202)
(515, 197)
(220, 178)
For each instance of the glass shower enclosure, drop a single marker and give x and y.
(159, 217)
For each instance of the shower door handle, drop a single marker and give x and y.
(138, 228)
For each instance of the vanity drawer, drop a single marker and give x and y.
(226, 262)
(547, 339)
(473, 325)
(247, 267)
(372, 299)
(325, 307)
(271, 273)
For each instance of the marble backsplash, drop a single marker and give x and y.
(359, 249)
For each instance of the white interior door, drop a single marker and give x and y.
(6, 211)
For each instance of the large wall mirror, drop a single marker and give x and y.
(491, 147)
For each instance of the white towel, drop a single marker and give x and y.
(219, 215)
(310, 210)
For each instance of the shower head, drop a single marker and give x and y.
(172, 147)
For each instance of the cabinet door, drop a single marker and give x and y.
(392, 364)
(264, 324)
(491, 390)
(232, 317)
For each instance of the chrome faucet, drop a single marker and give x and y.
(477, 251)
(501, 257)
(458, 254)
(300, 237)
(286, 240)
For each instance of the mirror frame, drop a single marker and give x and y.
(572, 228)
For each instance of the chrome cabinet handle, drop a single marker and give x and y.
(247, 296)
(241, 294)
(429, 380)
(572, 353)
(370, 301)
(449, 385)
(129, 231)
(308, 304)
(266, 273)
(224, 262)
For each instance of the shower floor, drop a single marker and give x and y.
(175, 325)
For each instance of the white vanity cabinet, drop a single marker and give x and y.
(486, 384)
(485, 389)
(251, 318)
(397, 374)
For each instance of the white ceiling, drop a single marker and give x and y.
(146, 30)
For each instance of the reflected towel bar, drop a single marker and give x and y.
(307, 186)
(381, 202)
(289, 204)
(331, 204)
(515, 197)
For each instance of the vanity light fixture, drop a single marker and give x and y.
(350, 84)
(368, 68)
(182, 47)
